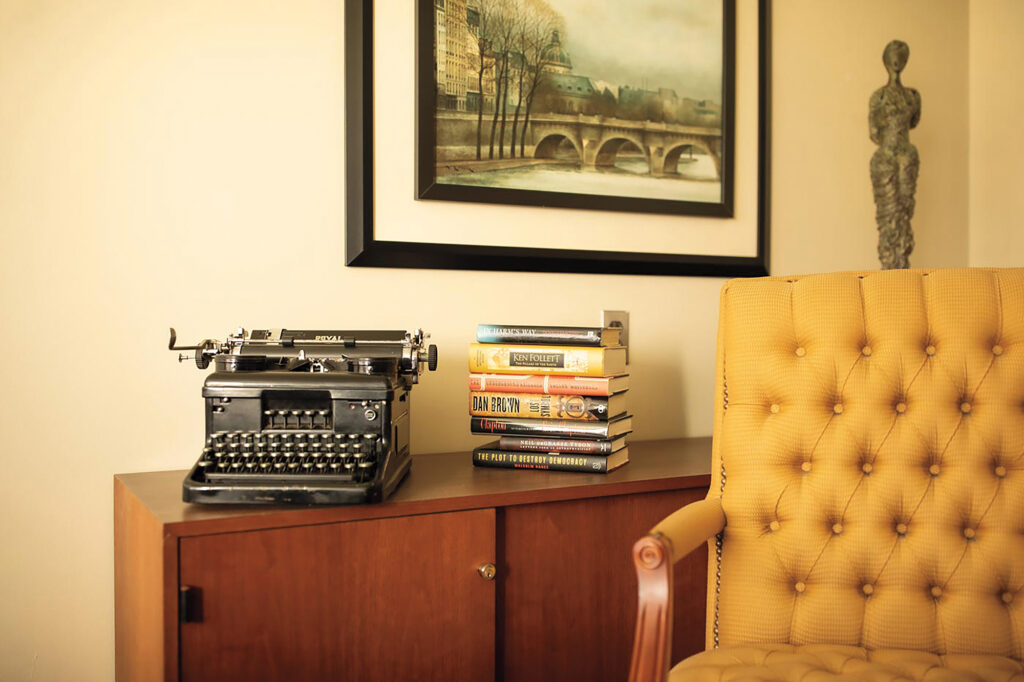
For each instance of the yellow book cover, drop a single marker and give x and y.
(519, 359)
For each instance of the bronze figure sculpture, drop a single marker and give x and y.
(893, 111)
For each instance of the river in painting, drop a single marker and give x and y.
(694, 180)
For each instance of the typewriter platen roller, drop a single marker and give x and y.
(305, 416)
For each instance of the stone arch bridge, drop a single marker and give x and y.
(598, 139)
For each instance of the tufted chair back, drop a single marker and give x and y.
(869, 457)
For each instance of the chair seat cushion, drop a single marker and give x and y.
(819, 662)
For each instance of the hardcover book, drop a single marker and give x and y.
(525, 359)
(557, 428)
(561, 445)
(549, 383)
(547, 336)
(546, 406)
(490, 456)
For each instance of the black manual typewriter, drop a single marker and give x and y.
(305, 417)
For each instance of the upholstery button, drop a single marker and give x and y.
(969, 533)
(936, 591)
(866, 467)
(837, 528)
(1007, 597)
(867, 589)
(866, 350)
(800, 587)
(930, 350)
(901, 407)
(934, 470)
(1000, 471)
(901, 529)
(997, 349)
(800, 352)
(775, 408)
(774, 525)
(805, 467)
(838, 408)
(965, 407)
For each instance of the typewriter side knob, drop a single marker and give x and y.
(431, 357)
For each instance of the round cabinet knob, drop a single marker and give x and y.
(487, 571)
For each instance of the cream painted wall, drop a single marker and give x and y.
(182, 164)
(997, 145)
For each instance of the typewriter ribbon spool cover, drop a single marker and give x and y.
(305, 416)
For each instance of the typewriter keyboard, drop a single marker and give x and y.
(292, 456)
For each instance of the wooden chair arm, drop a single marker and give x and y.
(654, 555)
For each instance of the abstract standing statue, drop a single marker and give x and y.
(893, 111)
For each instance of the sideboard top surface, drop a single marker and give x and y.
(437, 483)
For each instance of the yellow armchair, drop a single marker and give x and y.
(866, 512)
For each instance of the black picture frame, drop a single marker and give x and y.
(363, 249)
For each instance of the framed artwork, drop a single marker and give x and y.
(558, 135)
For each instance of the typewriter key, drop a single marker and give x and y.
(203, 463)
(236, 465)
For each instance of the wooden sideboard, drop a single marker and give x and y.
(393, 591)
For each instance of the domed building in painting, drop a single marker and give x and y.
(556, 59)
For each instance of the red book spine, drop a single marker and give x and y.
(539, 383)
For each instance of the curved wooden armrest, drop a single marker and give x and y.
(653, 556)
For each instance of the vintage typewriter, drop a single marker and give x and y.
(305, 417)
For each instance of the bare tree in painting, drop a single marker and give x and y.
(501, 38)
(511, 39)
(536, 37)
(485, 26)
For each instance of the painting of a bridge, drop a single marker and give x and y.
(579, 103)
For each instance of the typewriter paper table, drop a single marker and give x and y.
(397, 590)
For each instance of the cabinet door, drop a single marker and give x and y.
(570, 587)
(386, 599)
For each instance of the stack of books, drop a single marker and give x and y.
(555, 396)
